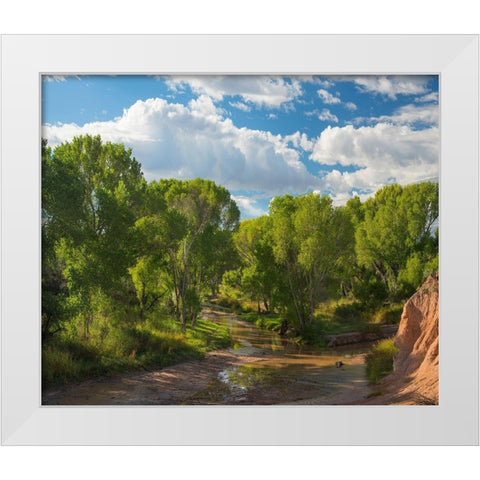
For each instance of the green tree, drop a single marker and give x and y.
(258, 272)
(397, 226)
(311, 240)
(156, 237)
(90, 192)
(207, 216)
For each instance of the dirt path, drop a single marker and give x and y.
(168, 386)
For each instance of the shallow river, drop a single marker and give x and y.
(286, 373)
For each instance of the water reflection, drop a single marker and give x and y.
(286, 372)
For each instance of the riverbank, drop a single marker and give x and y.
(168, 386)
(333, 330)
(111, 350)
(261, 370)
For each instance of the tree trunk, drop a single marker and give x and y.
(294, 298)
(265, 304)
(86, 326)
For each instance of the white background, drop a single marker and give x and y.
(245, 16)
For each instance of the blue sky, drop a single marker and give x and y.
(259, 136)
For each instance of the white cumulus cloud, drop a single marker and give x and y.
(241, 106)
(54, 78)
(391, 86)
(327, 116)
(408, 115)
(173, 140)
(300, 140)
(327, 97)
(268, 91)
(382, 154)
(248, 207)
(429, 97)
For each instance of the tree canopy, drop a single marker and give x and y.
(118, 246)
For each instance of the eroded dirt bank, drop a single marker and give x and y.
(414, 380)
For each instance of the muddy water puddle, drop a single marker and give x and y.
(287, 373)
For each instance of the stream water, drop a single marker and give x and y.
(283, 372)
(262, 368)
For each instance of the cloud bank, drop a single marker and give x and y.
(199, 139)
(379, 154)
(173, 140)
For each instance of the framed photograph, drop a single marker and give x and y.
(211, 240)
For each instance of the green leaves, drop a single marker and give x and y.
(397, 229)
(310, 240)
(89, 194)
(111, 238)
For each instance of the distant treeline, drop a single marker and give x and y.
(117, 247)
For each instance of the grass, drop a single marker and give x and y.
(228, 303)
(379, 361)
(267, 321)
(155, 343)
(389, 314)
(345, 316)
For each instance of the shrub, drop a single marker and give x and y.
(266, 321)
(389, 315)
(370, 291)
(349, 311)
(379, 361)
(80, 349)
(231, 303)
(157, 341)
(58, 366)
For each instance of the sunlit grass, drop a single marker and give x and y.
(154, 343)
(266, 321)
(379, 361)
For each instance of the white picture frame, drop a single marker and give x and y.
(26, 57)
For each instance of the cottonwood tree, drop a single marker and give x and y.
(90, 191)
(310, 239)
(396, 232)
(258, 274)
(207, 216)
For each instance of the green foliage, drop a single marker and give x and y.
(389, 315)
(117, 252)
(156, 342)
(394, 240)
(89, 195)
(58, 366)
(311, 239)
(268, 322)
(412, 275)
(198, 250)
(379, 361)
(343, 316)
(258, 273)
(350, 311)
(126, 264)
(369, 290)
(232, 304)
(307, 250)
